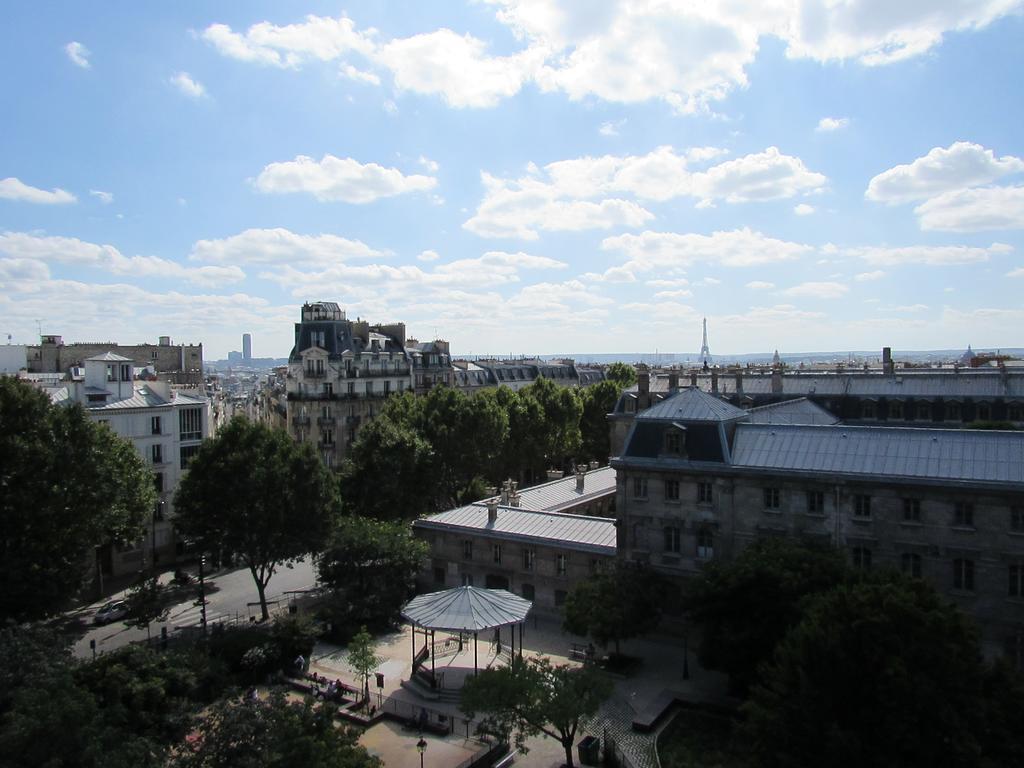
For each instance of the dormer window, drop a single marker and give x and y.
(675, 439)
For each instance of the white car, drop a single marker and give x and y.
(115, 610)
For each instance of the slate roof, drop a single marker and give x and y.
(555, 495)
(692, 405)
(889, 452)
(110, 357)
(575, 532)
(466, 609)
(798, 411)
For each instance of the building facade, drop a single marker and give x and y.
(180, 364)
(166, 426)
(340, 372)
(698, 479)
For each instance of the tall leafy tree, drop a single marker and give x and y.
(535, 696)
(148, 601)
(597, 401)
(254, 493)
(878, 672)
(371, 566)
(623, 374)
(363, 658)
(67, 485)
(746, 606)
(272, 733)
(562, 411)
(615, 606)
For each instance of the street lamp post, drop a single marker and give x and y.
(421, 746)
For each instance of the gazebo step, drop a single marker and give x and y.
(450, 695)
(421, 690)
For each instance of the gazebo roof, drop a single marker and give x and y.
(466, 609)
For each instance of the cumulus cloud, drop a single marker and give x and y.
(934, 255)
(360, 76)
(71, 250)
(736, 248)
(864, 277)
(827, 124)
(760, 285)
(1019, 272)
(104, 197)
(317, 37)
(974, 210)
(333, 179)
(78, 54)
(184, 82)
(942, 170)
(559, 195)
(429, 164)
(817, 290)
(282, 246)
(14, 189)
(803, 209)
(428, 255)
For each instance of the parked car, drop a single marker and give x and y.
(115, 610)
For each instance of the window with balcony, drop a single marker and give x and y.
(963, 574)
(157, 453)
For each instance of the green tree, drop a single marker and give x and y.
(272, 733)
(147, 602)
(390, 474)
(363, 658)
(623, 374)
(67, 485)
(371, 567)
(746, 606)
(597, 401)
(535, 696)
(615, 606)
(879, 672)
(254, 493)
(562, 411)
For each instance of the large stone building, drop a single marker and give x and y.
(699, 479)
(536, 542)
(166, 426)
(180, 364)
(339, 373)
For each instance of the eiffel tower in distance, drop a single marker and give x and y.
(705, 351)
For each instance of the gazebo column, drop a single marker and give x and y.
(413, 649)
(520, 640)
(474, 654)
(433, 676)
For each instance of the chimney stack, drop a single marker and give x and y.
(673, 379)
(492, 511)
(581, 475)
(776, 382)
(693, 379)
(739, 382)
(887, 366)
(714, 381)
(643, 379)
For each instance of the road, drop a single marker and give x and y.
(230, 593)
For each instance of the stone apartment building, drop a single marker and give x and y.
(698, 479)
(339, 373)
(537, 542)
(166, 426)
(180, 364)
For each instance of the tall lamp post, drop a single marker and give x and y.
(421, 746)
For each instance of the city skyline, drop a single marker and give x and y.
(514, 177)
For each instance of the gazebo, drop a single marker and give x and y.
(463, 610)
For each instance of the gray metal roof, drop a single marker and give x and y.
(466, 609)
(556, 495)
(572, 532)
(939, 454)
(110, 357)
(693, 405)
(798, 411)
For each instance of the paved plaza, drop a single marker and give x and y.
(661, 671)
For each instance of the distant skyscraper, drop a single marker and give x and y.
(705, 352)
(247, 346)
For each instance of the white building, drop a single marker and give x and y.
(165, 425)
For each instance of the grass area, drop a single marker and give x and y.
(696, 739)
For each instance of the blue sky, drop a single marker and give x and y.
(517, 176)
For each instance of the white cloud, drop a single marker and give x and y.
(318, 37)
(184, 82)
(935, 255)
(611, 127)
(736, 248)
(827, 124)
(17, 270)
(974, 210)
(662, 283)
(429, 164)
(682, 293)
(768, 175)
(957, 167)
(14, 189)
(803, 209)
(1019, 272)
(817, 290)
(760, 285)
(104, 197)
(71, 250)
(905, 308)
(281, 246)
(78, 54)
(864, 277)
(339, 179)
(428, 255)
(359, 75)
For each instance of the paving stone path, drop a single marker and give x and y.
(616, 716)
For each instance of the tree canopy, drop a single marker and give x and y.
(254, 493)
(878, 672)
(535, 696)
(616, 605)
(744, 607)
(67, 485)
